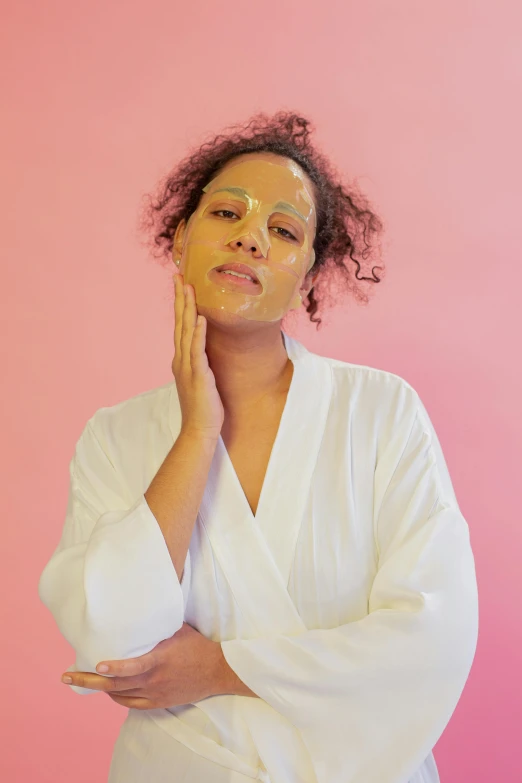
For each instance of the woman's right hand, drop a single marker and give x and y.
(202, 411)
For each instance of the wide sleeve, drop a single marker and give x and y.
(371, 698)
(110, 584)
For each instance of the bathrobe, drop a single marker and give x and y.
(348, 603)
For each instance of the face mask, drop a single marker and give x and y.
(269, 210)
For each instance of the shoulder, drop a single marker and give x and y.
(121, 447)
(383, 409)
(133, 420)
(367, 402)
(377, 395)
(362, 387)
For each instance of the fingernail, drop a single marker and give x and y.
(67, 679)
(102, 668)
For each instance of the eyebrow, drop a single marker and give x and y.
(283, 205)
(235, 191)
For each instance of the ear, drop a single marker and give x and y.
(177, 245)
(308, 284)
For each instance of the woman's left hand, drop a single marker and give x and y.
(184, 669)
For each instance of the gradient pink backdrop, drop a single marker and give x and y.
(419, 100)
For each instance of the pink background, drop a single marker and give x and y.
(419, 100)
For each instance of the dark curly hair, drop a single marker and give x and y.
(346, 226)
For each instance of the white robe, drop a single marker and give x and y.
(348, 603)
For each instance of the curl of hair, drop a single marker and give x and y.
(347, 228)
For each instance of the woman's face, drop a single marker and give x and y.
(259, 212)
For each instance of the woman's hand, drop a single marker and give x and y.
(201, 407)
(184, 669)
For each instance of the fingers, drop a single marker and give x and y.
(198, 356)
(130, 666)
(179, 306)
(185, 323)
(132, 703)
(188, 326)
(96, 682)
(85, 680)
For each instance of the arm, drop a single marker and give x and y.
(111, 584)
(174, 495)
(371, 698)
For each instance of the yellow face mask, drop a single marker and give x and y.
(260, 215)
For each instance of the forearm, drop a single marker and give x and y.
(174, 495)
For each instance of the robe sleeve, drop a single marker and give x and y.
(110, 584)
(371, 698)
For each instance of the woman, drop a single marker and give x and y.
(265, 560)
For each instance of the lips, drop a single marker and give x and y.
(228, 282)
(242, 269)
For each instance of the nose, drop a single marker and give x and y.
(249, 245)
(250, 236)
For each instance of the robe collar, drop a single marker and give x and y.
(256, 552)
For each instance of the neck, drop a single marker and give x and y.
(248, 365)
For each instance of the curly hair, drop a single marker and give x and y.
(346, 227)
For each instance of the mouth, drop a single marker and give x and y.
(236, 277)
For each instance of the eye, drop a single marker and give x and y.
(286, 235)
(225, 213)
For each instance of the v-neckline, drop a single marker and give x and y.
(289, 405)
(246, 544)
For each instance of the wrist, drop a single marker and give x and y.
(201, 436)
(220, 678)
(226, 680)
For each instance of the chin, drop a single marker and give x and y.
(224, 318)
